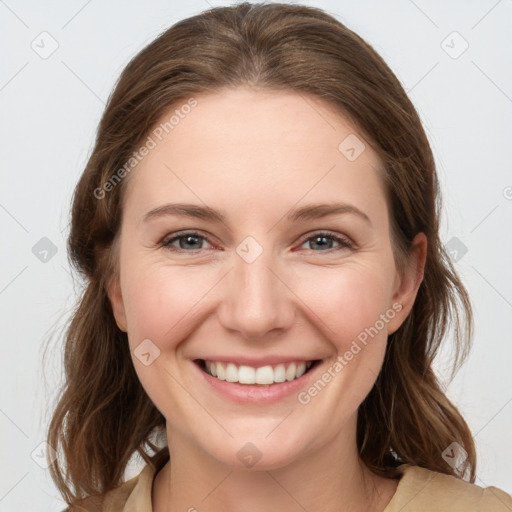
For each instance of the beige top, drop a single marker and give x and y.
(419, 490)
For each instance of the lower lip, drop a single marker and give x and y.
(244, 393)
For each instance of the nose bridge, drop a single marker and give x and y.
(256, 300)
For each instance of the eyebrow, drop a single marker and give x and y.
(309, 212)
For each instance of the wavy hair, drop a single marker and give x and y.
(103, 416)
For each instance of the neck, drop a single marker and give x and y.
(331, 479)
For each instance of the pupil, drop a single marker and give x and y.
(190, 239)
(322, 244)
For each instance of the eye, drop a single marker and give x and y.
(324, 241)
(191, 240)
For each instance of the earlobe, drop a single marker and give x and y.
(407, 286)
(116, 301)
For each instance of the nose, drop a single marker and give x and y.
(257, 302)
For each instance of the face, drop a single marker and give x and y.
(267, 283)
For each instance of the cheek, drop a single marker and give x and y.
(163, 305)
(346, 300)
(350, 301)
(162, 301)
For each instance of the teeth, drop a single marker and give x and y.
(279, 373)
(221, 372)
(263, 375)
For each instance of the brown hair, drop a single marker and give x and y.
(103, 415)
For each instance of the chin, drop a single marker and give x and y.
(257, 454)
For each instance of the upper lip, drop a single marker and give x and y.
(259, 361)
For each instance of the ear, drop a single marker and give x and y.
(405, 288)
(116, 301)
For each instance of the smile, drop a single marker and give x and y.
(264, 375)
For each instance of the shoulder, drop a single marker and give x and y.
(132, 495)
(422, 490)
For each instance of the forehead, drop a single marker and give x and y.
(259, 149)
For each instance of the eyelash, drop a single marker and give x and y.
(344, 243)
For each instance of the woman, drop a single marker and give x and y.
(257, 227)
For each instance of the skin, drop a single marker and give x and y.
(254, 156)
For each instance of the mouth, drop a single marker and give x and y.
(268, 375)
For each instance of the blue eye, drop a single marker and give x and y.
(192, 242)
(323, 237)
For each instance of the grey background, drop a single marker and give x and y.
(50, 108)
